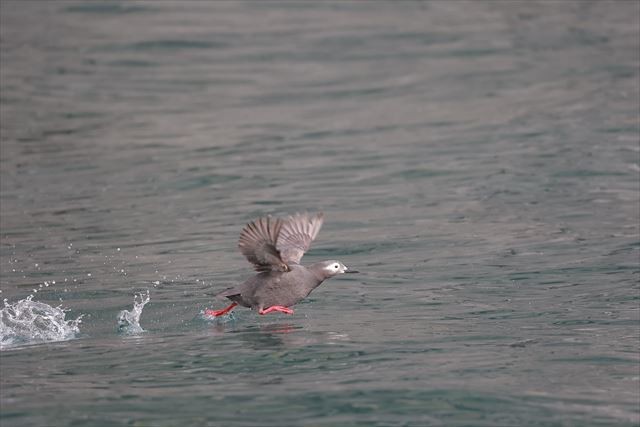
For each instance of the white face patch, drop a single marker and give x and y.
(335, 267)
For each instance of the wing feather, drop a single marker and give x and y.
(258, 243)
(296, 234)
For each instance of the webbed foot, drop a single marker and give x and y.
(279, 308)
(216, 313)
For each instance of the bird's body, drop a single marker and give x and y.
(275, 247)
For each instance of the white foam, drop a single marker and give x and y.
(31, 322)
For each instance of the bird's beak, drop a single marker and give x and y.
(346, 270)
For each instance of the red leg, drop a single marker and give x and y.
(216, 313)
(279, 308)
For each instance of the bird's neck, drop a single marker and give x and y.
(318, 272)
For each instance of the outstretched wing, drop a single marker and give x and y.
(258, 243)
(296, 235)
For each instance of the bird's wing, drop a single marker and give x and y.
(296, 235)
(258, 244)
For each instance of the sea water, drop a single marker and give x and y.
(477, 162)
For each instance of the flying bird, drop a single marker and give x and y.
(275, 246)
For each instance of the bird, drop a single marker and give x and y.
(275, 247)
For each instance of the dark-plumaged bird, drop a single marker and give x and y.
(275, 246)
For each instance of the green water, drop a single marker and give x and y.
(478, 162)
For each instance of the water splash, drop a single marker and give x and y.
(129, 321)
(32, 322)
(226, 318)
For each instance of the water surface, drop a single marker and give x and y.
(478, 162)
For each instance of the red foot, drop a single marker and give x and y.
(279, 308)
(216, 313)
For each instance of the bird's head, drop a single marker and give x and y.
(332, 267)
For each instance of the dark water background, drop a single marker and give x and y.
(477, 161)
